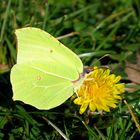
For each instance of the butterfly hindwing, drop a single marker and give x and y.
(39, 89)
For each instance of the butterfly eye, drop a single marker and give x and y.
(88, 70)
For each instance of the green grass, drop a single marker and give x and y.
(102, 33)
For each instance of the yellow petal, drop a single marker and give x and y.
(106, 108)
(78, 101)
(117, 97)
(117, 79)
(92, 106)
(83, 108)
(112, 105)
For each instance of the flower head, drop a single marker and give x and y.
(99, 90)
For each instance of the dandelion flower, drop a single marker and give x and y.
(99, 90)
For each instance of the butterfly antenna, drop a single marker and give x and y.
(101, 58)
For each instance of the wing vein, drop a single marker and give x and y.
(43, 86)
(50, 73)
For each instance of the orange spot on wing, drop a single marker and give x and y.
(38, 77)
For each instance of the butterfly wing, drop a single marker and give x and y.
(35, 44)
(44, 71)
(38, 88)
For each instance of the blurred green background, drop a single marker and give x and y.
(102, 33)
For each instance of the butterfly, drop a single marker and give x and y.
(46, 70)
